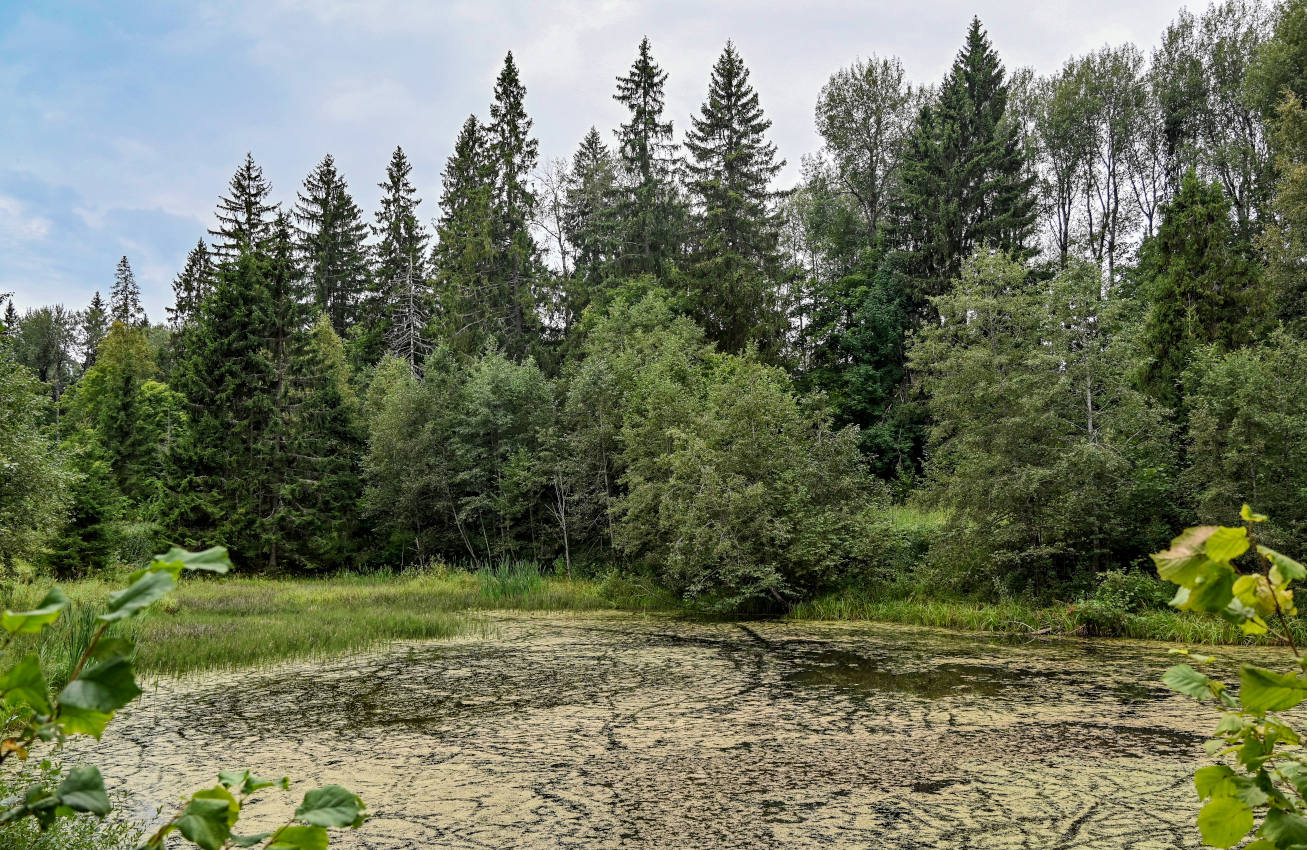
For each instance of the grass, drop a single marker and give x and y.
(234, 622)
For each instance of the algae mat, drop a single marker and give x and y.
(642, 732)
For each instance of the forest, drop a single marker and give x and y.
(1005, 334)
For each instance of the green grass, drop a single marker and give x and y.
(1020, 618)
(235, 622)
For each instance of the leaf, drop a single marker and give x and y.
(1224, 822)
(1262, 690)
(33, 621)
(249, 840)
(83, 721)
(104, 687)
(300, 838)
(138, 596)
(1284, 828)
(83, 791)
(1283, 568)
(205, 820)
(1212, 588)
(213, 559)
(1187, 680)
(1226, 544)
(1179, 563)
(1208, 778)
(245, 781)
(1249, 516)
(24, 684)
(331, 805)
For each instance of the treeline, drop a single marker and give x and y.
(1066, 313)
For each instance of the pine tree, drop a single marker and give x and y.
(965, 184)
(330, 237)
(651, 217)
(125, 299)
(463, 258)
(588, 224)
(191, 286)
(95, 325)
(1201, 288)
(399, 256)
(513, 154)
(244, 214)
(735, 262)
(11, 319)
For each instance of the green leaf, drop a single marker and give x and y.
(1249, 516)
(104, 687)
(33, 621)
(331, 805)
(206, 820)
(1208, 778)
(1179, 564)
(1224, 822)
(138, 596)
(24, 684)
(300, 838)
(83, 721)
(83, 791)
(1212, 588)
(250, 840)
(1283, 568)
(1262, 690)
(213, 559)
(1283, 828)
(1187, 680)
(245, 781)
(1226, 544)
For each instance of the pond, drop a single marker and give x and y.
(642, 732)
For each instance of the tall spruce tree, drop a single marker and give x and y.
(513, 154)
(330, 238)
(125, 299)
(651, 218)
(965, 182)
(735, 263)
(399, 258)
(463, 258)
(191, 286)
(244, 214)
(588, 224)
(95, 325)
(1201, 289)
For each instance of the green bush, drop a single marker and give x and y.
(1131, 592)
(83, 832)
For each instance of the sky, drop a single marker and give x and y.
(121, 122)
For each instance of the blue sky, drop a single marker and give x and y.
(120, 122)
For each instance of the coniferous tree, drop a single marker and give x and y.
(1201, 289)
(330, 237)
(95, 325)
(588, 224)
(463, 258)
(735, 264)
(11, 319)
(191, 286)
(513, 154)
(651, 218)
(399, 258)
(244, 214)
(965, 184)
(125, 299)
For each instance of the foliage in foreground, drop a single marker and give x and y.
(101, 683)
(1226, 571)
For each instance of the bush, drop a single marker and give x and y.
(1131, 592)
(83, 832)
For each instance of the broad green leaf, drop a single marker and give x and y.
(205, 821)
(1283, 568)
(300, 838)
(250, 840)
(330, 805)
(1179, 563)
(1211, 590)
(1249, 515)
(1260, 844)
(225, 796)
(24, 684)
(1226, 544)
(245, 781)
(109, 649)
(1187, 680)
(1224, 822)
(33, 621)
(83, 791)
(1283, 828)
(1262, 690)
(83, 721)
(213, 559)
(1208, 778)
(105, 687)
(138, 596)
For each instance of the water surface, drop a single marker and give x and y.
(646, 732)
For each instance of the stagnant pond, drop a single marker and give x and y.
(643, 732)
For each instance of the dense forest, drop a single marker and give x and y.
(1062, 315)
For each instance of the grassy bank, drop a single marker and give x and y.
(1021, 618)
(233, 622)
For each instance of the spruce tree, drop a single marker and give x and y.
(651, 218)
(125, 299)
(11, 319)
(330, 237)
(1201, 289)
(191, 286)
(513, 154)
(588, 224)
(244, 214)
(735, 263)
(965, 184)
(95, 325)
(463, 258)
(399, 258)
